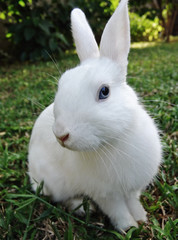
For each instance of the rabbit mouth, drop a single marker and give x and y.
(78, 145)
(64, 143)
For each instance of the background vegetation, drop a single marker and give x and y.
(26, 90)
(36, 30)
(36, 27)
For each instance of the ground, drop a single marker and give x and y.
(25, 90)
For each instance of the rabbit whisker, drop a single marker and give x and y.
(41, 106)
(124, 141)
(110, 159)
(103, 161)
(126, 154)
(54, 61)
(55, 78)
(161, 101)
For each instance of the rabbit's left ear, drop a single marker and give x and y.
(115, 40)
(83, 36)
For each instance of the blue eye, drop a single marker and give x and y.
(104, 92)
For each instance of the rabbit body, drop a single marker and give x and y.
(113, 150)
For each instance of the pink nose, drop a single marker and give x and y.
(64, 138)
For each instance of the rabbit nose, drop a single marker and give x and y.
(63, 138)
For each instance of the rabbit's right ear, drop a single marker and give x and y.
(115, 40)
(83, 36)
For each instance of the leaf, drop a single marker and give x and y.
(62, 38)
(33, 234)
(45, 26)
(22, 3)
(130, 232)
(11, 195)
(45, 214)
(41, 40)
(29, 33)
(56, 232)
(26, 203)
(69, 233)
(2, 16)
(116, 234)
(170, 228)
(53, 44)
(21, 218)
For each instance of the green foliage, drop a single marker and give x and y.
(34, 37)
(38, 27)
(35, 28)
(143, 28)
(25, 91)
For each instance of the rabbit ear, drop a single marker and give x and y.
(83, 36)
(115, 40)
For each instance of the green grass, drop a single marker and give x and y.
(25, 89)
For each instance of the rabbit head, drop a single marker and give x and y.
(94, 104)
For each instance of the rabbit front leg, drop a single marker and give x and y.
(116, 209)
(135, 207)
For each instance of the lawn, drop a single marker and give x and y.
(25, 90)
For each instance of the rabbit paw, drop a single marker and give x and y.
(125, 224)
(139, 213)
(141, 217)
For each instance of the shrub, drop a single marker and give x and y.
(38, 27)
(34, 27)
(143, 28)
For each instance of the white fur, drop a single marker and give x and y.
(85, 42)
(112, 44)
(113, 150)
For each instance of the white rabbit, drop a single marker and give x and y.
(109, 146)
